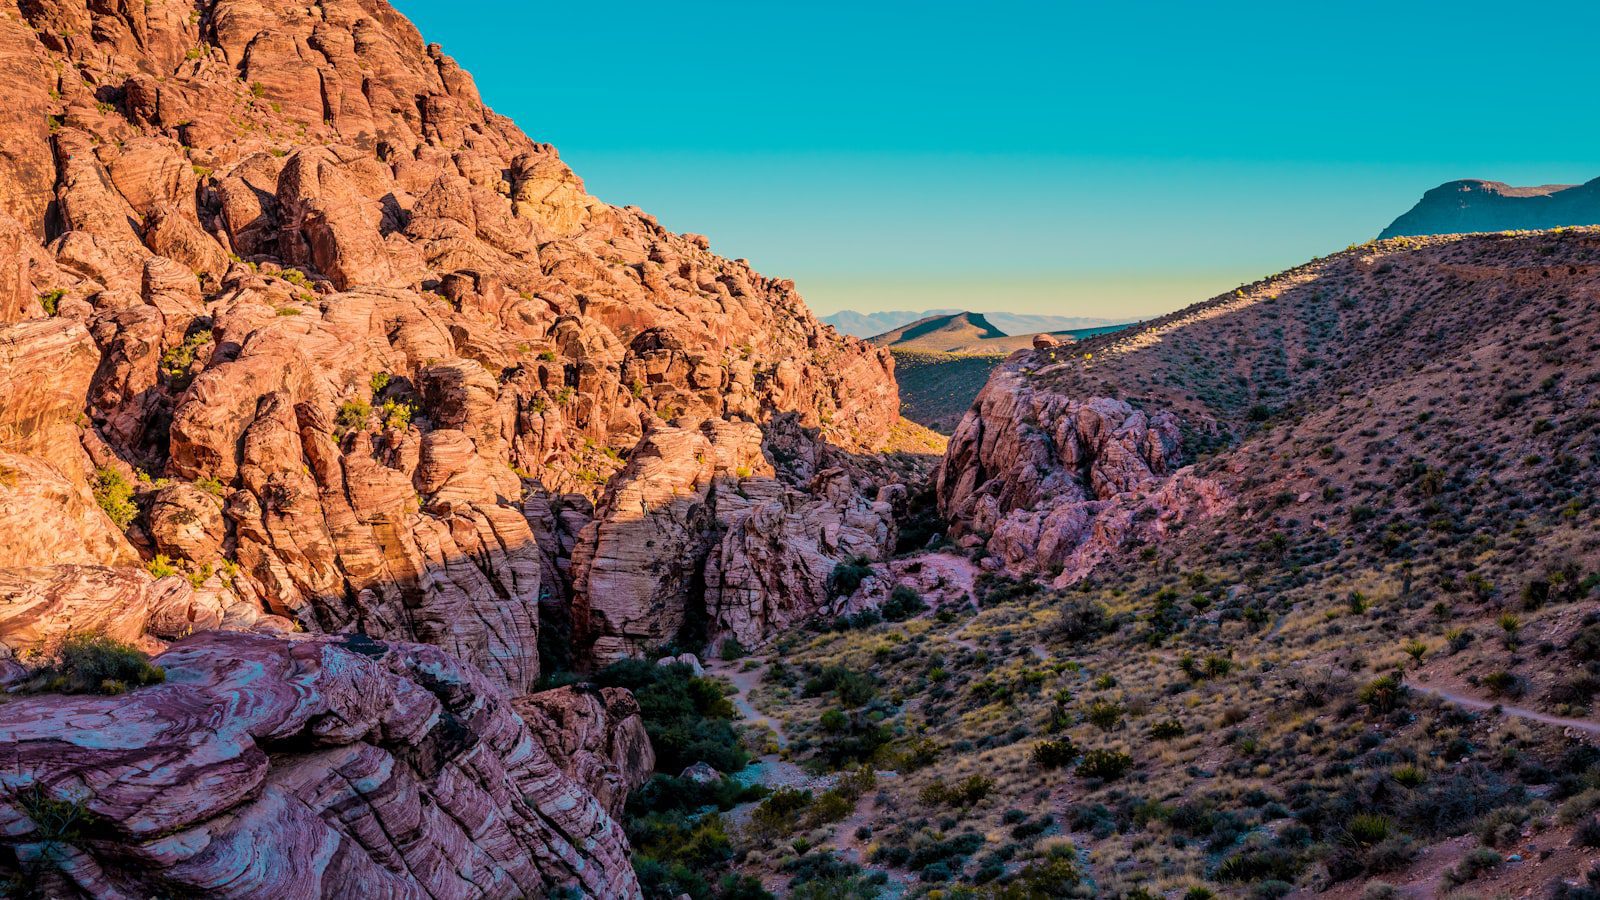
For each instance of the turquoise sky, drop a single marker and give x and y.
(1116, 159)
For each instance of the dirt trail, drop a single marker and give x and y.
(745, 683)
(1583, 725)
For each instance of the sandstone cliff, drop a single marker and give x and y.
(296, 335)
(354, 339)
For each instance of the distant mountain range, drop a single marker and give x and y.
(869, 324)
(1465, 207)
(970, 332)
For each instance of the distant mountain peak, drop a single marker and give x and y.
(1475, 205)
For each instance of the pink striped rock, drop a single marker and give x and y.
(299, 767)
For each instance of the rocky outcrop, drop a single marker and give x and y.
(639, 561)
(48, 512)
(596, 736)
(771, 569)
(700, 539)
(41, 605)
(1052, 484)
(299, 768)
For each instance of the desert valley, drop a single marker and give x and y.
(382, 514)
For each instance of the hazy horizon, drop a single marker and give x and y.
(1116, 162)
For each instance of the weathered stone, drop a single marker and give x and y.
(309, 767)
(1053, 484)
(597, 738)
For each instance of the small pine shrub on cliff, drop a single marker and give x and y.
(176, 361)
(353, 415)
(93, 664)
(848, 575)
(115, 495)
(51, 301)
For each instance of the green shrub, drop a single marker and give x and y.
(114, 494)
(847, 576)
(1471, 867)
(903, 603)
(688, 718)
(1166, 730)
(1104, 714)
(671, 794)
(1384, 694)
(159, 566)
(1053, 754)
(1081, 620)
(672, 851)
(966, 792)
(1587, 834)
(1408, 776)
(853, 688)
(176, 361)
(93, 664)
(1274, 863)
(1106, 765)
(994, 589)
(51, 301)
(396, 414)
(1503, 684)
(55, 821)
(835, 721)
(1366, 829)
(1056, 875)
(732, 650)
(781, 813)
(353, 415)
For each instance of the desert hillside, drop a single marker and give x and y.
(1289, 592)
(942, 361)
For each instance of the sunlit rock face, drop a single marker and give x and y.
(1051, 484)
(348, 321)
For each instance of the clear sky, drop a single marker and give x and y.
(1082, 158)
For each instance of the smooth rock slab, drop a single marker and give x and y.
(301, 767)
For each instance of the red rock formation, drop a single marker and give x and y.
(331, 288)
(1052, 484)
(331, 767)
(47, 510)
(699, 524)
(596, 736)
